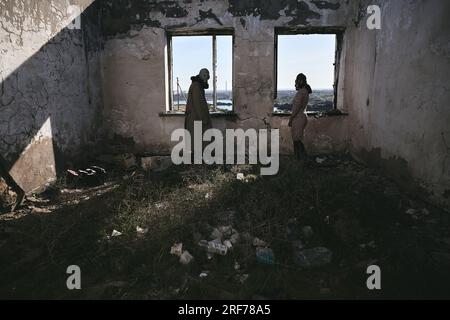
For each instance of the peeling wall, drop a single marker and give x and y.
(398, 93)
(49, 92)
(134, 62)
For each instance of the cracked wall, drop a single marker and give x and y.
(49, 91)
(134, 63)
(398, 93)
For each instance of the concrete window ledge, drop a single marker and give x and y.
(213, 114)
(315, 114)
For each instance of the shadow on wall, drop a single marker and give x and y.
(47, 109)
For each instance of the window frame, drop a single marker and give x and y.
(339, 34)
(192, 33)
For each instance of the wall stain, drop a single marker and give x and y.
(270, 10)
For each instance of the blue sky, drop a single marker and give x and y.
(311, 54)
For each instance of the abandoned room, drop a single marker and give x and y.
(92, 91)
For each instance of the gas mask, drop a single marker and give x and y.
(204, 75)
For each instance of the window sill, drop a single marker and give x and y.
(315, 114)
(212, 114)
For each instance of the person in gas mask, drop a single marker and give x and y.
(298, 119)
(196, 106)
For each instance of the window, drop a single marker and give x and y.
(190, 53)
(314, 55)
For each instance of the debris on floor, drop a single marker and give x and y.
(304, 233)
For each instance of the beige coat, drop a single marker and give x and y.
(299, 119)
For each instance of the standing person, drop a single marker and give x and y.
(298, 119)
(196, 105)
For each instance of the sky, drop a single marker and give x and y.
(312, 55)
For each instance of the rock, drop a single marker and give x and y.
(259, 243)
(265, 256)
(177, 249)
(156, 163)
(186, 258)
(228, 244)
(307, 232)
(315, 257)
(240, 177)
(141, 231)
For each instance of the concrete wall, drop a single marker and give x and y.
(50, 98)
(134, 65)
(398, 93)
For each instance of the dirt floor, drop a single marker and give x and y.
(361, 217)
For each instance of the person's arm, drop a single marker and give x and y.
(200, 105)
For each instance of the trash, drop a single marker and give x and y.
(315, 257)
(204, 274)
(213, 247)
(307, 232)
(115, 233)
(141, 230)
(259, 243)
(228, 244)
(237, 266)
(177, 249)
(156, 163)
(186, 258)
(265, 256)
(240, 177)
(208, 195)
(320, 160)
